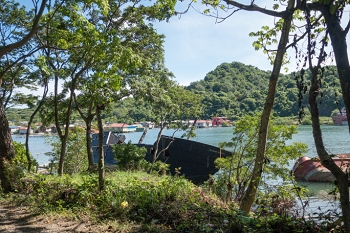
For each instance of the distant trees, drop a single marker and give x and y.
(245, 92)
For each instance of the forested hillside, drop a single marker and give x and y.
(233, 89)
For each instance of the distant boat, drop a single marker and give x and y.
(340, 118)
(217, 121)
(311, 169)
(120, 128)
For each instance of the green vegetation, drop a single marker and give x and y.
(108, 51)
(76, 159)
(136, 201)
(232, 90)
(130, 157)
(235, 174)
(148, 203)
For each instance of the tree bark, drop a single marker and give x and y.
(88, 146)
(7, 151)
(325, 158)
(249, 196)
(88, 119)
(41, 103)
(338, 39)
(101, 157)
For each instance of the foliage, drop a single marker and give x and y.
(234, 89)
(243, 92)
(235, 171)
(130, 157)
(76, 159)
(161, 167)
(16, 169)
(169, 204)
(21, 158)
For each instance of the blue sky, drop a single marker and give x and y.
(195, 44)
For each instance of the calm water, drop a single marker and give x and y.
(336, 140)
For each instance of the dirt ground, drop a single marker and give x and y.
(21, 220)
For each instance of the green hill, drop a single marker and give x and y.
(233, 89)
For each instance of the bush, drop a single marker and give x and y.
(225, 124)
(75, 159)
(130, 157)
(21, 157)
(169, 203)
(306, 121)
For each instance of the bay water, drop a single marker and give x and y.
(336, 140)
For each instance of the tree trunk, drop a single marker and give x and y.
(41, 103)
(64, 135)
(87, 119)
(88, 146)
(249, 196)
(155, 152)
(338, 39)
(101, 157)
(325, 158)
(7, 151)
(63, 152)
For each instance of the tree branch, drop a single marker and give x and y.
(253, 7)
(24, 40)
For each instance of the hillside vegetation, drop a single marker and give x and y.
(232, 90)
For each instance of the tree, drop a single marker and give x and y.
(170, 102)
(332, 13)
(76, 160)
(236, 170)
(122, 56)
(249, 195)
(7, 152)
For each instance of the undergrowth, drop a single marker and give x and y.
(156, 203)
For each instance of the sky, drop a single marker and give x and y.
(196, 44)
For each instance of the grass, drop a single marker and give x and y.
(147, 203)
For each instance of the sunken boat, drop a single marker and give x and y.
(195, 159)
(311, 169)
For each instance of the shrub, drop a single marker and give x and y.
(21, 157)
(130, 157)
(75, 159)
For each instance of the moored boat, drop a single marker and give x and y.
(340, 118)
(311, 169)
